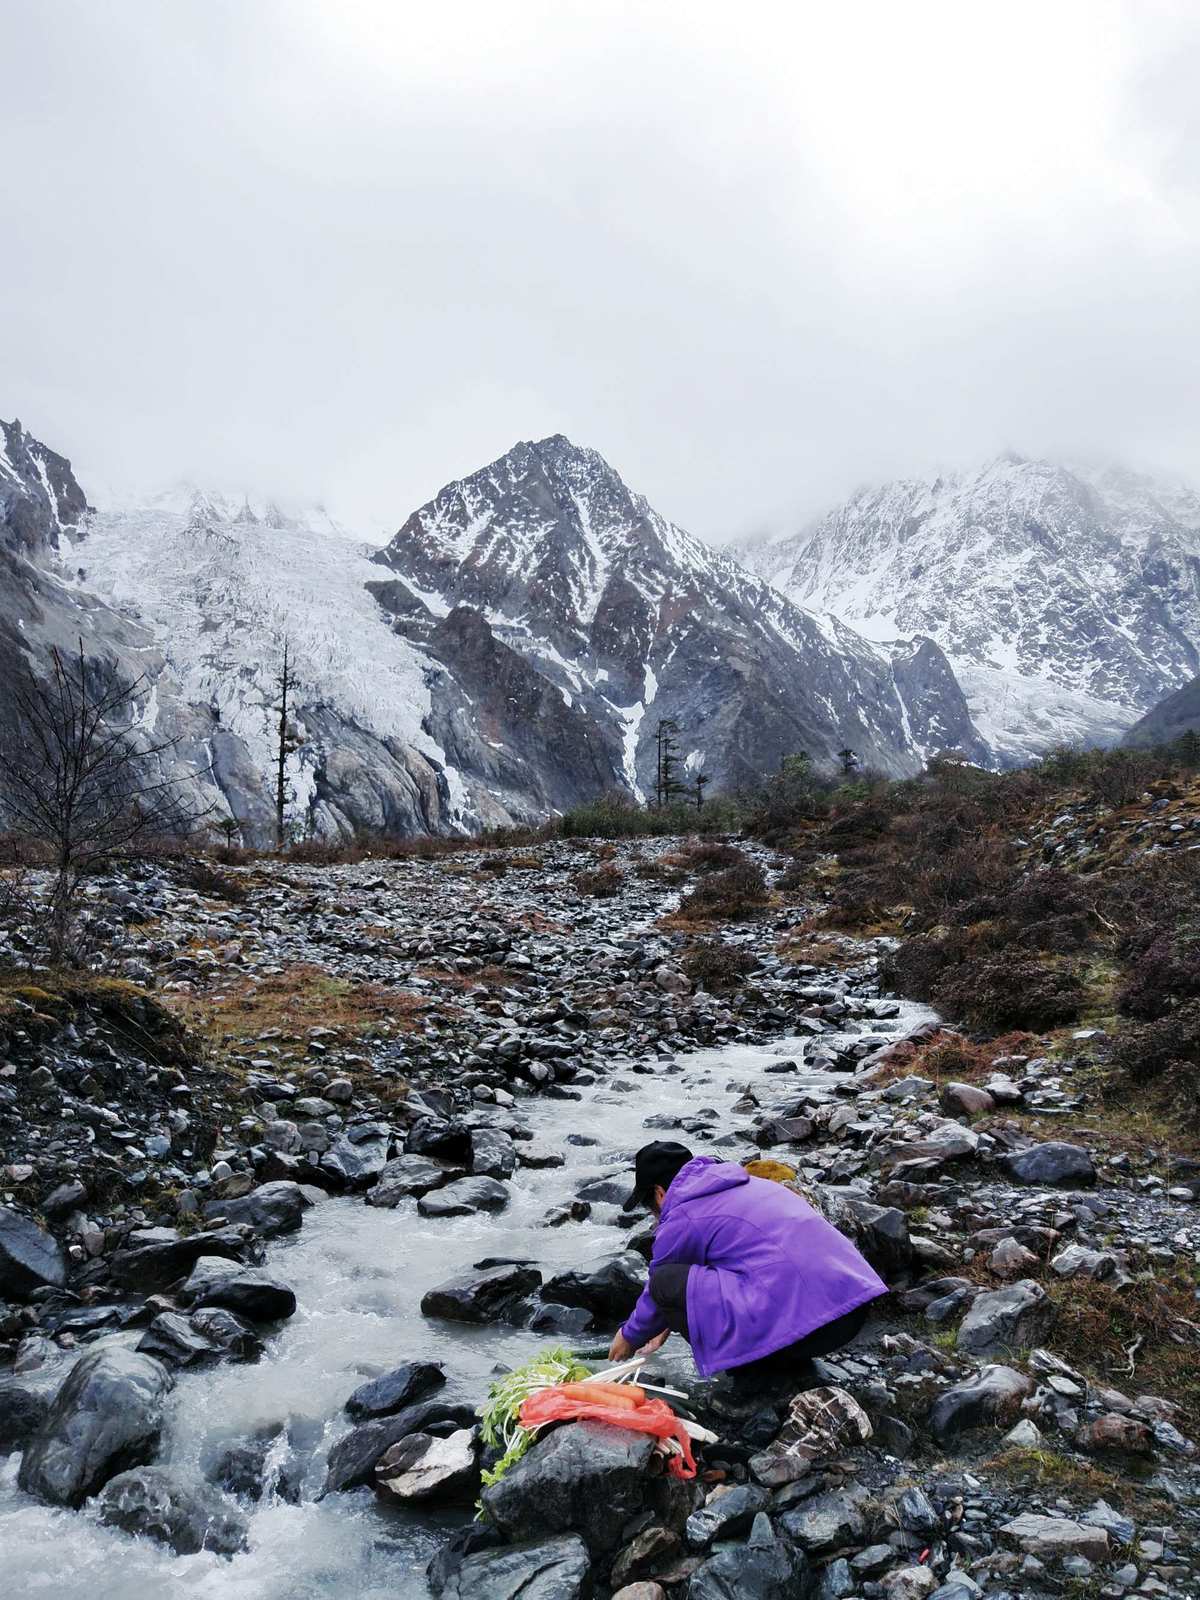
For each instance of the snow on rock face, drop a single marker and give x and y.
(39, 497)
(1067, 601)
(634, 620)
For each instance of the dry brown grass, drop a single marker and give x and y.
(293, 1002)
(1142, 1339)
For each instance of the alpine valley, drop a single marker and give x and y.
(510, 652)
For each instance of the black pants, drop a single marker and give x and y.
(668, 1289)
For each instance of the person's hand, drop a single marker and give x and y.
(651, 1345)
(620, 1349)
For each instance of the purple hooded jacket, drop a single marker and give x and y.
(770, 1269)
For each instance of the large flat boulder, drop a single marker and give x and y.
(488, 1295)
(586, 1478)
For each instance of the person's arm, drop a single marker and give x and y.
(646, 1321)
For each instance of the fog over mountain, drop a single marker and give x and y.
(350, 253)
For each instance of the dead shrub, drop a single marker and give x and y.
(716, 966)
(730, 895)
(602, 884)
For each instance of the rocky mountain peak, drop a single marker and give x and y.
(39, 496)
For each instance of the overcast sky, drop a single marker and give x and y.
(756, 254)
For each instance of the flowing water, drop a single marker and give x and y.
(359, 1274)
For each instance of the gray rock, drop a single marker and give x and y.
(608, 1287)
(491, 1295)
(1004, 1320)
(352, 1459)
(209, 1335)
(248, 1291)
(444, 1140)
(993, 1395)
(493, 1154)
(463, 1197)
(156, 1503)
(535, 1569)
(394, 1390)
(1052, 1163)
(422, 1468)
(152, 1259)
(750, 1572)
(725, 1514)
(827, 1521)
(1053, 1538)
(23, 1409)
(271, 1209)
(409, 1175)
(106, 1418)
(30, 1258)
(587, 1478)
(357, 1157)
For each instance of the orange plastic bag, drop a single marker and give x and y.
(653, 1416)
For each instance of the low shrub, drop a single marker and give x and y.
(216, 885)
(992, 993)
(1167, 1046)
(714, 965)
(711, 856)
(735, 893)
(602, 884)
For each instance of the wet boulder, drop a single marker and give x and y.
(493, 1154)
(586, 1478)
(1052, 1163)
(394, 1390)
(535, 1569)
(423, 1469)
(357, 1157)
(23, 1408)
(765, 1569)
(726, 1513)
(247, 1291)
(409, 1175)
(271, 1209)
(827, 1521)
(209, 1335)
(156, 1503)
(352, 1459)
(1003, 1320)
(608, 1287)
(153, 1258)
(461, 1198)
(993, 1395)
(106, 1418)
(444, 1140)
(494, 1294)
(30, 1258)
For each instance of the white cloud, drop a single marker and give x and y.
(350, 250)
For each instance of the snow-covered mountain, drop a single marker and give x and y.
(1067, 600)
(634, 620)
(507, 655)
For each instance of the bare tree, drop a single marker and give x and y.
(288, 740)
(78, 788)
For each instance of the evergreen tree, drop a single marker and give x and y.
(700, 782)
(667, 785)
(850, 762)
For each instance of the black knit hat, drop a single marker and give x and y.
(654, 1164)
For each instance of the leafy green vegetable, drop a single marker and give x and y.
(500, 1414)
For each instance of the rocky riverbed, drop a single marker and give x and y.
(326, 1146)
